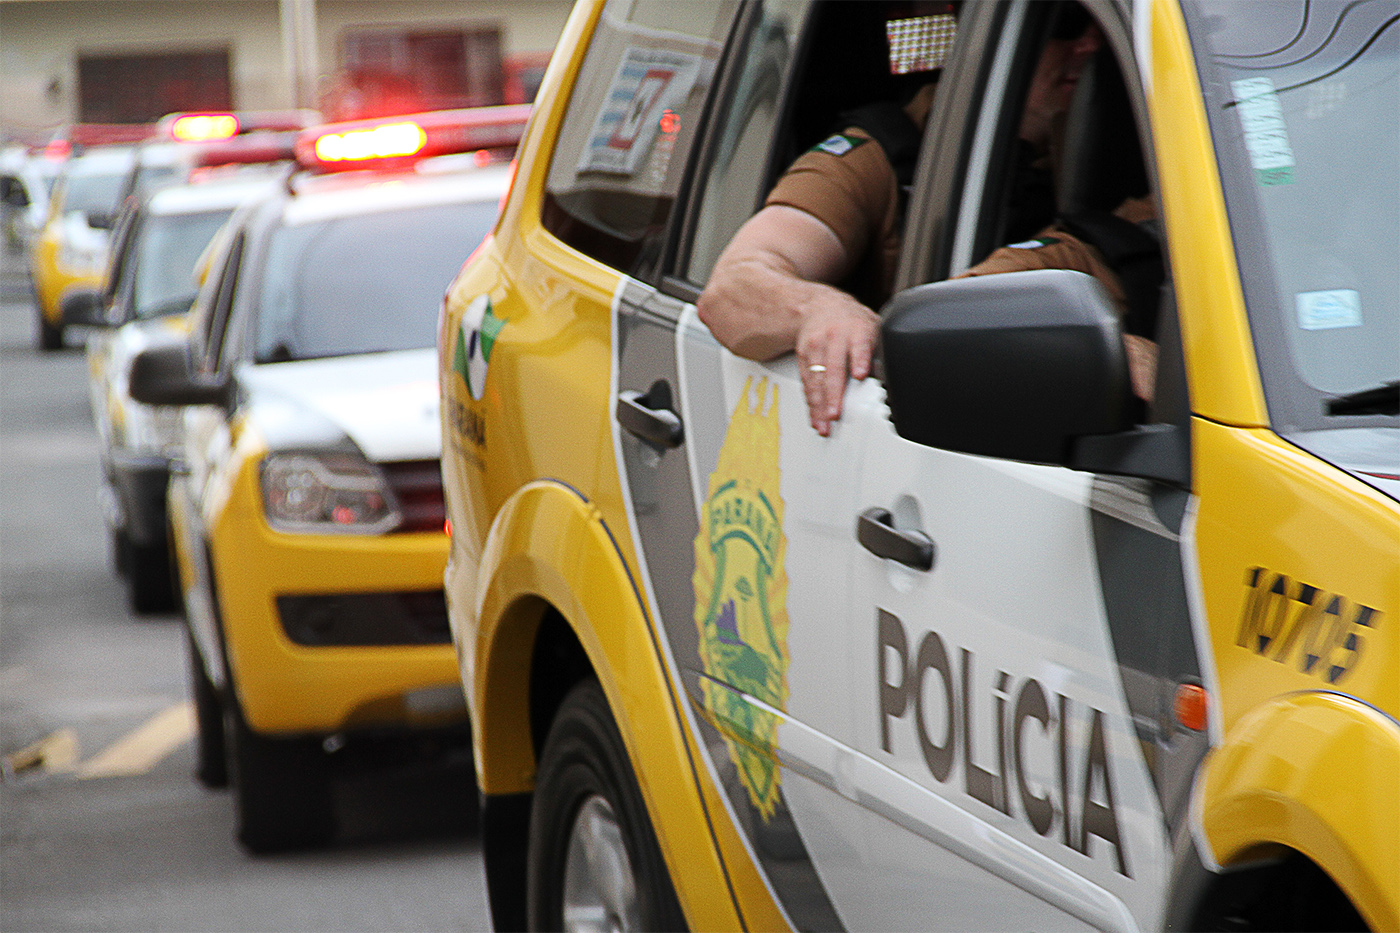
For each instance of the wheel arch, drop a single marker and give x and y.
(1312, 774)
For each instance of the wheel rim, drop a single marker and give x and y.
(600, 891)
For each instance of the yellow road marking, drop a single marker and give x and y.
(139, 751)
(57, 751)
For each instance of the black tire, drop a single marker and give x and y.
(281, 787)
(211, 754)
(150, 581)
(50, 336)
(585, 777)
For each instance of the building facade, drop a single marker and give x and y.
(131, 61)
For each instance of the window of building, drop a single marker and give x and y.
(143, 88)
(388, 71)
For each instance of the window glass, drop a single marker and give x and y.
(632, 117)
(364, 283)
(1304, 100)
(735, 178)
(169, 246)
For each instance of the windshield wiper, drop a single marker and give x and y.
(1382, 400)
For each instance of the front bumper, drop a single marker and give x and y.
(286, 687)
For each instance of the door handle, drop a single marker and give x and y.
(876, 533)
(650, 416)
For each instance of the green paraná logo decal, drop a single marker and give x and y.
(741, 594)
(475, 339)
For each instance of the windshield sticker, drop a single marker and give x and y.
(1340, 307)
(1265, 135)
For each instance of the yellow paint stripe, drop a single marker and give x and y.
(141, 750)
(57, 751)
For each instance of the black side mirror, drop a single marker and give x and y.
(99, 221)
(12, 192)
(1024, 366)
(161, 375)
(85, 307)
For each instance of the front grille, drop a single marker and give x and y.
(363, 619)
(417, 485)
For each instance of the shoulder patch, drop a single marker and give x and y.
(1037, 243)
(839, 145)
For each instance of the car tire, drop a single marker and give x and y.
(150, 582)
(281, 787)
(50, 336)
(593, 862)
(211, 753)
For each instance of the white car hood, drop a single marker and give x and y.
(387, 403)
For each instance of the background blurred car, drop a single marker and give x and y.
(70, 254)
(150, 285)
(25, 181)
(307, 516)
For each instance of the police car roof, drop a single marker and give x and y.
(347, 194)
(213, 194)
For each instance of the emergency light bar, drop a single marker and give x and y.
(359, 144)
(201, 127)
(216, 125)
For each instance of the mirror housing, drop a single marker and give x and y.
(161, 375)
(86, 308)
(1024, 366)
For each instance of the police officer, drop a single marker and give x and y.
(805, 272)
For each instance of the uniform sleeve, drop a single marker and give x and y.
(1053, 249)
(850, 192)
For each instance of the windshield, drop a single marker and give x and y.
(1305, 109)
(169, 247)
(95, 194)
(365, 283)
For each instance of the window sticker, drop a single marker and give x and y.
(1340, 307)
(648, 83)
(1265, 135)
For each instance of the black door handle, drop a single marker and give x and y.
(876, 533)
(650, 416)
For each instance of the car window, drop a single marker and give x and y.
(168, 247)
(738, 169)
(363, 283)
(92, 194)
(631, 120)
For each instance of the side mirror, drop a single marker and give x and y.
(1024, 366)
(99, 221)
(85, 307)
(161, 375)
(12, 192)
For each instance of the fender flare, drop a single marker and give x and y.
(1314, 772)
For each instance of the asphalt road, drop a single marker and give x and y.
(102, 825)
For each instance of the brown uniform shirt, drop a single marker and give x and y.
(847, 183)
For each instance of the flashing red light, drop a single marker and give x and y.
(387, 141)
(203, 127)
(670, 122)
(58, 149)
(361, 143)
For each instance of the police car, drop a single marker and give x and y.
(69, 255)
(306, 508)
(150, 284)
(1004, 650)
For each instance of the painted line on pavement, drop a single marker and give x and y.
(141, 750)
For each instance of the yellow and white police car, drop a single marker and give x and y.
(1006, 650)
(306, 510)
(68, 257)
(150, 285)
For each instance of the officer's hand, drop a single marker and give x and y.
(835, 341)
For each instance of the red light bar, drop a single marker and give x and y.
(200, 127)
(248, 149)
(366, 143)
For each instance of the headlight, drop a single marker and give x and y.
(326, 493)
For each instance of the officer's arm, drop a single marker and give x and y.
(769, 294)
